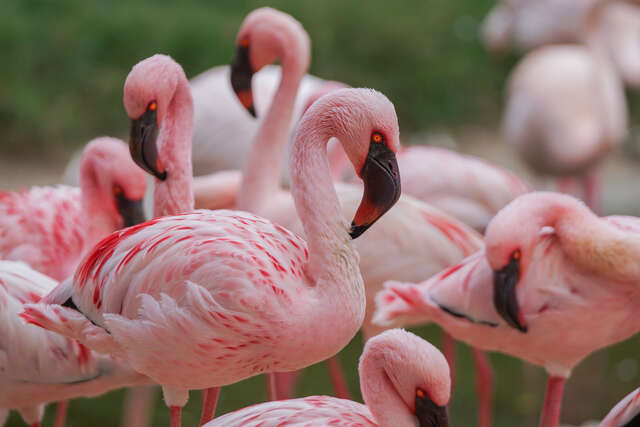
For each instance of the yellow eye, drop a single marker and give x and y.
(152, 106)
(516, 254)
(376, 137)
(420, 393)
(244, 42)
(117, 190)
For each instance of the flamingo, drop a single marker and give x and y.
(405, 381)
(38, 366)
(208, 298)
(50, 228)
(626, 413)
(551, 272)
(565, 110)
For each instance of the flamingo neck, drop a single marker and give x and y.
(175, 195)
(262, 169)
(98, 217)
(379, 393)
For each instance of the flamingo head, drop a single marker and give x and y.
(107, 168)
(511, 239)
(267, 35)
(416, 371)
(148, 91)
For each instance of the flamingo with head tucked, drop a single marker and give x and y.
(551, 272)
(404, 380)
(208, 298)
(39, 366)
(50, 228)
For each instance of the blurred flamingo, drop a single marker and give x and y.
(212, 297)
(551, 272)
(626, 413)
(405, 381)
(50, 228)
(38, 366)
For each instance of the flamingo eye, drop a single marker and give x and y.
(244, 42)
(117, 190)
(153, 106)
(516, 254)
(377, 137)
(420, 393)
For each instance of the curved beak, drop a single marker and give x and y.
(142, 144)
(381, 179)
(431, 415)
(131, 211)
(504, 295)
(241, 74)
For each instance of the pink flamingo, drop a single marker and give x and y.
(566, 109)
(38, 366)
(264, 36)
(551, 271)
(405, 381)
(626, 413)
(208, 298)
(50, 228)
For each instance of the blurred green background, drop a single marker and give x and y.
(64, 63)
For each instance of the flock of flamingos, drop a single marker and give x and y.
(262, 278)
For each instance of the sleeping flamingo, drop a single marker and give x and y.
(208, 298)
(404, 380)
(50, 228)
(551, 272)
(566, 109)
(38, 366)
(626, 413)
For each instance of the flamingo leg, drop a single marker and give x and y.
(61, 413)
(484, 387)
(566, 185)
(286, 383)
(272, 386)
(449, 352)
(138, 406)
(209, 403)
(176, 416)
(552, 402)
(36, 424)
(592, 192)
(340, 387)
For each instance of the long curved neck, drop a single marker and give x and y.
(379, 393)
(175, 195)
(96, 218)
(263, 167)
(593, 243)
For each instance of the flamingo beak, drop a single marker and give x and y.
(131, 210)
(429, 414)
(381, 179)
(504, 295)
(142, 144)
(241, 74)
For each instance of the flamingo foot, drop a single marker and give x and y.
(484, 387)
(449, 352)
(176, 416)
(340, 387)
(209, 403)
(552, 402)
(61, 413)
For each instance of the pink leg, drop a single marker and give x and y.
(592, 192)
(484, 387)
(286, 383)
(176, 416)
(61, 413)
(209, 402)
(138, 406)
(552, 402)
(272, 386)
(566, 186)
(340, 387)
(449, 351)
(36, 424)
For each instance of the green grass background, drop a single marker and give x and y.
(63, 64)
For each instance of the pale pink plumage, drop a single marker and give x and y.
(50, 228)
(576, 269)
(393, 366)
(209, 298)
(38, 366)
(625, 413)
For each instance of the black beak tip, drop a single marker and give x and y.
(162, 176)
(252, 111)
(357, 230)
